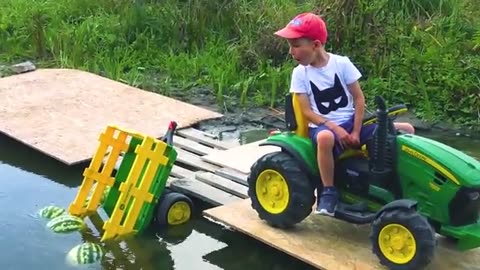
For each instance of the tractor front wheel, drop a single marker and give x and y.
(403, 239)
(280, 191)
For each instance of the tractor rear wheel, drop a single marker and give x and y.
(280, 191)
(403, 239)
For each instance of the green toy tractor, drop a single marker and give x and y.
(406, 186)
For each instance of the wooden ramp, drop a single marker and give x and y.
(326, 243)
(196, 178)
(240, 158)
(60, 112)
(317, 241)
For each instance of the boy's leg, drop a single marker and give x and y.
(368, 131)
(405, 127)
(324, 139)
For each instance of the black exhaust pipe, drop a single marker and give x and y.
(379, 147)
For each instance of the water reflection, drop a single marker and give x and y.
(27, 159)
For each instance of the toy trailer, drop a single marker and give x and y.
(136, 194)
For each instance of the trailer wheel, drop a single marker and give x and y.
(174, 209)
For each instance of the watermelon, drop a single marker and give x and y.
(102, 199)
(66, 223)
(51, 211)
(85, 253)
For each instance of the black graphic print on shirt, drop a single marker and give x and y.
(330, 99)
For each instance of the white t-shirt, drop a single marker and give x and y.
(327, 88)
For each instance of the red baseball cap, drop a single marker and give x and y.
(305, 25)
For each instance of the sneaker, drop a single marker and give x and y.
(328, 202)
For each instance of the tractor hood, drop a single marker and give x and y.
(452, 163)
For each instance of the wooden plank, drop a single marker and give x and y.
(203, 191)
(170, 180)
(245, 156)
(181, 172)
(223, 184)
(233, 175)
(70, 108)
(199, 136)
(309, 241)
(192, 146)
(314, 241)
(176, 172)
(327, 243)
(194, 161)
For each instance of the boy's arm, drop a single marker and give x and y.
(351, 75)
(307, 110)
(359, 103)
(299, 87)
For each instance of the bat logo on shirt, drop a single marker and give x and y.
(330, 99)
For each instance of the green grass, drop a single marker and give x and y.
(425, 53)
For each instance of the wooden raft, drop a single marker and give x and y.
(60, 112)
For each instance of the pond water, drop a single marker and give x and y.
(30, 181)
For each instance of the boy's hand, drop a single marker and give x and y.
(355, 138)
(343, 136)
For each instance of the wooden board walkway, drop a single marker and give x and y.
(200, 179)
(327, 243)
(60, 112)
(316, 241)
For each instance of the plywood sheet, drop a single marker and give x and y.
(61, 112)
(326, 243)
(240, 158)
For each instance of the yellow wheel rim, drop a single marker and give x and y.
(179, 213)
(272, 191)
(397, 243)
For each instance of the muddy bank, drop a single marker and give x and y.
(238, 120)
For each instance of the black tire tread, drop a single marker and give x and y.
(420, 228)
(165, 202)
(300, 189)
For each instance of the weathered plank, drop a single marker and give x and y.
(181, 172)
(328, 243)
(223, 184)
(317, 240)
(194, 161)
(245, 156)
(201, 137)
(233, 175)
(170, 180)
(203, 191)
(192, 146)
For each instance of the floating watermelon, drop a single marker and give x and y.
(51, 211)
(85, 253)
(66, 223)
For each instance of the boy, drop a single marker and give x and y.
(331, 99)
